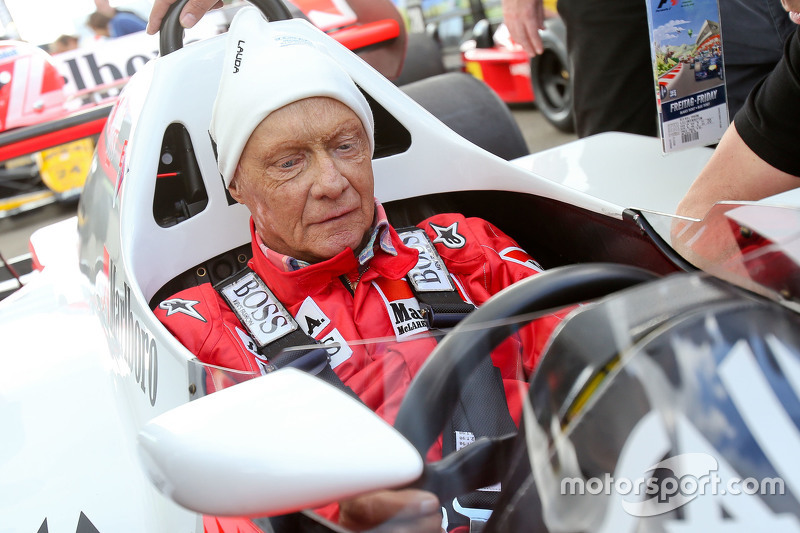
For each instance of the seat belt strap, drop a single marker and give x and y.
(440, 302)
(482, 409)
(274, 330)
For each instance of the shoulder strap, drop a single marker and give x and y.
(274, 330)
(482, 410)
(431, 283)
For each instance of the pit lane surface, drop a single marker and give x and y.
(15, 231)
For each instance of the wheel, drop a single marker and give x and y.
(436, 389)
(423, 59)
(468, 115)
(551, 80)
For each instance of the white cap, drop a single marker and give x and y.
(265, 69)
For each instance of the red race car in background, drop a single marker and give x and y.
(473, 38)
(47, 141)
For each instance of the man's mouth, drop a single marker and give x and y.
(337, 215)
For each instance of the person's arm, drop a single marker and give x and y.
(191, 13)
(734, 172)
(524, 19)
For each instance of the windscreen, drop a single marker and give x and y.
(751, 245)
(467, 396)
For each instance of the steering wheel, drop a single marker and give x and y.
(440, 380)
(171, 31)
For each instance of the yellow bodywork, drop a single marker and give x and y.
(65, 167)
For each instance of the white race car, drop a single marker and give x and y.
(670, 398)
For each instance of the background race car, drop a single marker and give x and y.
(32, 93)
(474, 39)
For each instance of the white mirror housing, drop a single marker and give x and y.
(272, 445)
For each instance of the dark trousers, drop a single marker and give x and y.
(612, 73)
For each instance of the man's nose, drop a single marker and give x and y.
(329, 181)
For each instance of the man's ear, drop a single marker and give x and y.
(233, 189)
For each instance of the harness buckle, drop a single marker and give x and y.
(477, 517)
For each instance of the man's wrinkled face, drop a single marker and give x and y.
(305, 174)
(793, 7)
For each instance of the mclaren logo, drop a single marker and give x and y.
(449, 236)
(179, 305)
(408, 319)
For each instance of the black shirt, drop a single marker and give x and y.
(769, 122)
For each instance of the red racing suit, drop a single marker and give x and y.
(481, 259)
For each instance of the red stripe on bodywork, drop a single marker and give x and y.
(48, 140)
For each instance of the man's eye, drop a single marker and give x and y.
(289, 163)
(345, 147)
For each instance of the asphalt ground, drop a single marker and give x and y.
(16, 231)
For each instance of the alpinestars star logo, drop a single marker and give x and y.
(179, 305)
(449, 236)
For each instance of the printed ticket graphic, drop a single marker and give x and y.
(689, 71)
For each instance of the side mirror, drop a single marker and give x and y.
(273, 445)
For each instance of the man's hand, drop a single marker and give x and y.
(191, 13)
(395, 511)
(524, 19)
(105, 8)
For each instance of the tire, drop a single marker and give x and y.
(551, 79)
(471, 109)
(423, 59)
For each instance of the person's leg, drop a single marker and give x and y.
(612, 72)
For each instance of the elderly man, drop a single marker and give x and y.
(294, 137)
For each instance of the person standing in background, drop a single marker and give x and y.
(111, 22)
(63, 43)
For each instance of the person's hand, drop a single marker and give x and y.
(190, 14)
(395, 511)
(524, 19)
(105, 8)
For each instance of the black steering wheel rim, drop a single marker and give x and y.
(171, 31)
(439, 381)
